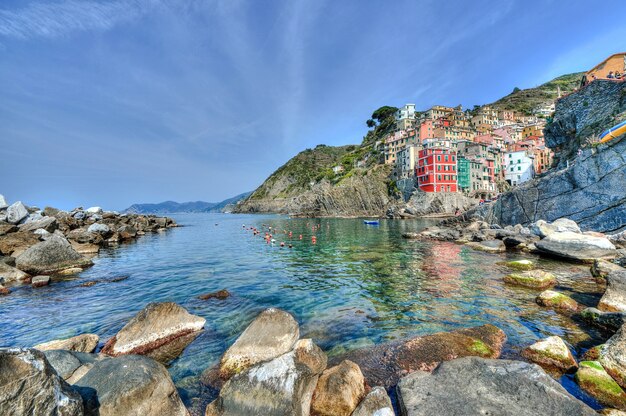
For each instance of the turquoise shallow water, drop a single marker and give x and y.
(359, 285)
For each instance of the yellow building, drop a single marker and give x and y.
(615, 63)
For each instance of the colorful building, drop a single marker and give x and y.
(405, 117)
(436, 170)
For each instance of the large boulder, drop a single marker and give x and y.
(551, 352)
(29, 385)
(79, 343)
(3, 202)
(575, 246)
(614, 298)
(383, 365)
(6, 228)
(50, 256)
(16, 212)
(272, 333)
(160, 330)
(376, 403)
(82, 236)
(593, 379)
(613, 356)
(132, 386)
(476, 386)
(281, 386)
(94, 210)
(10, 274)
(14, 244)
(339, 390)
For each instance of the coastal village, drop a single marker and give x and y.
(544, 335)
(480, 152)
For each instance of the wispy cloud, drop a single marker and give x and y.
(61, 18)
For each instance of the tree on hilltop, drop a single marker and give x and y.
(383, 112)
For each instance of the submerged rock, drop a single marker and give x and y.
(556, 300)
(29, 385)
(609, 321)
(272, 333)
(575, 246)
(79, 343)
(476, 386)
(129, 385)
(551, 352)
(534, 279)
(376, 403)
(160, 330)
(519, 264)
(220, 294)
(339, 390)
(281, 386)
(593, 379)
(50, 256)
(383, 365)
(614, 298)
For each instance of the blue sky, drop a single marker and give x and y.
(115, 102)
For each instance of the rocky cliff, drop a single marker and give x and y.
(590, 187)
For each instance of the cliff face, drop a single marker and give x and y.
(592, 190)
(582, 115)
(362, 194)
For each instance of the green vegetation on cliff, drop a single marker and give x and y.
(525, 101)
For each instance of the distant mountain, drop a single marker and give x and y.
(169, 207)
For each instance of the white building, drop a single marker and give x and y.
(519, 167)
(406, 161)
(405, 117)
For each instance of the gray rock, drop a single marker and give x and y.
(80, 215)
(476, 386)
(50, 256)
(576, 246)
(614, 298)
(46, 223)
(129, 385)
(3, 202)
(94, 210)
(272, 333)
(160, 330)
(281, 386)
(16, 212)
(29, 385)
(72, 365)
(102, 229)
(376, 403)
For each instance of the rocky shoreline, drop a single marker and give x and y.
(38, 245)
(271, 370)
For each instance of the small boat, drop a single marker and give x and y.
(371, 222)
(613, 132)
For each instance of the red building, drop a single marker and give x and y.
(436, 170)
